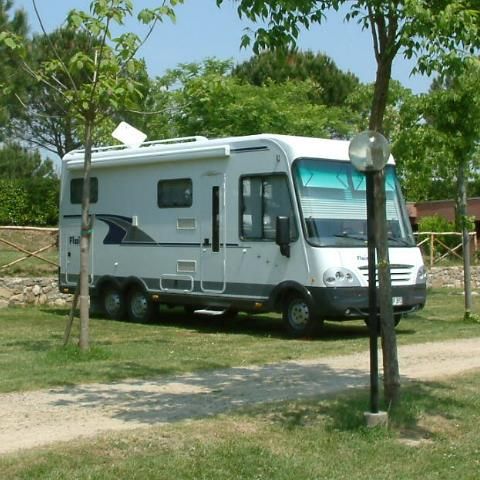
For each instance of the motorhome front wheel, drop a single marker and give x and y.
(298, 317)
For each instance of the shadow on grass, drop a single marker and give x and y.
(290, 395)
(345, 412)
(206, 393)
(30, 345)
(262, 325)
(269, 325)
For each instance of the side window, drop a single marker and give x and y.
(263, 199)
(76, 188)
(174, 193)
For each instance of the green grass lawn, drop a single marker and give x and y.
(31, 355)
(433, 435)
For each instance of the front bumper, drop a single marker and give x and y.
(351, 303)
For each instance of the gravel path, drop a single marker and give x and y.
(38, 418)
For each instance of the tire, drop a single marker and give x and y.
(139, 306)
(298, 317)
(113, 303)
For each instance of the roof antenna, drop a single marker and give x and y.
(128, 135)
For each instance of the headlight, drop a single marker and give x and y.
(340, 277)
(422, 275)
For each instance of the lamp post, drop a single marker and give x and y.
(369, 152)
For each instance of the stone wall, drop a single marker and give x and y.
(44, 291)
(451, 277)
(31, 291)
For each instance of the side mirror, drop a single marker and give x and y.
(282, 235)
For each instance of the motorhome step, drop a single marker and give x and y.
(206, 311)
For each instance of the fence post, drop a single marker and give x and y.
(432, 247)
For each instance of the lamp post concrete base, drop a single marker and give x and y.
(379, 419)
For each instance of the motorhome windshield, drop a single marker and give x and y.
(332, 198)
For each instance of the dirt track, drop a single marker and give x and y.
(38, 418)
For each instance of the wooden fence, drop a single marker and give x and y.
(438, 250)
(28, 253)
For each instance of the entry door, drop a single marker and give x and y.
(213, 234)
(71, 252)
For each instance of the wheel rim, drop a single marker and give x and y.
(139, 305)
(298, 314)
(112, 302)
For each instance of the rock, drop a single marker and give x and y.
(5, 293)
(42, 299)
(16, 300)
(29, 297)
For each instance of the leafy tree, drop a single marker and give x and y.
(20, 201)
(278, 67)
(429, 30)
(43, 115)
(46, 118)
(112, 70)
(423, 159)
(27, 178)
(450, 129)
(204, 99)
(17, 161)
(359, 103)
(16, 24)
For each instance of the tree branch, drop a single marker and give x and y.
(52, 46)
(373, 29)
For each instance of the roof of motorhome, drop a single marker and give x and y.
(294, 147)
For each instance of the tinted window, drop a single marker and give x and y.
(263, 199)
(175, 193)
(76, 190)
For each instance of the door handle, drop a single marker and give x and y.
(206, 242)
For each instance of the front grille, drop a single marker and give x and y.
(400, 274)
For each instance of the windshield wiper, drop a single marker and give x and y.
(361, 238)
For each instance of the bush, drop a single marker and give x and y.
(436, 223)
(32, 201)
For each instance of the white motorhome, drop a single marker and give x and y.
(257, 223)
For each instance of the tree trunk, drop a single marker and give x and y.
(85, 234)
(391, 372)
(462, 224)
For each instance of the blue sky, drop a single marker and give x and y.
(202, 30)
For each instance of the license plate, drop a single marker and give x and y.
(396, 301)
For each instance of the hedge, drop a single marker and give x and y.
(32, 201)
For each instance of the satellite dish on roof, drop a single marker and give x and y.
(128, 135)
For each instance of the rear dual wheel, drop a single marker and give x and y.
(136, 305)
(140, 308)
(113, 303)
